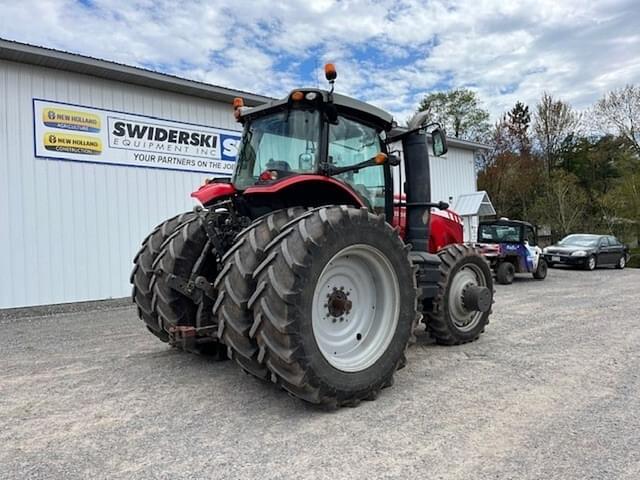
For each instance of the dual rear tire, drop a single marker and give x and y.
(332, 308)
(236, 284)
(179, 248)
(142, 276)
(322, 302)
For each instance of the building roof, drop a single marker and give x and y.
(451, 141)
(71, 62)
(471, 204)
(467, 144)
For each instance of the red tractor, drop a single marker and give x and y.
(292, 267)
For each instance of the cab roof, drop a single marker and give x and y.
(507, 223)
(344, 104)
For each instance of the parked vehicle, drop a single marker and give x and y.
(292, 266)
(511, 246)
(588, 251)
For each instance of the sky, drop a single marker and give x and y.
(387, 52)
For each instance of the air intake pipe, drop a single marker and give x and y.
(417, 189)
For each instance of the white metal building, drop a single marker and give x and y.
(472, 206)
(75, 204)
(454, 173)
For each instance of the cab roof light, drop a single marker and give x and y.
(297, 96)
(238, 105)
(330, 72)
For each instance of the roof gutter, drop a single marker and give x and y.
(71, 62)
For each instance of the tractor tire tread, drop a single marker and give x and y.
(277, 307)
(143, 274)
(179, 255)
(437, 324)
(236, 286)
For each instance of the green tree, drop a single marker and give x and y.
(624, 200)
(460, 112)
(519, 121)
(512, 177)
(563, 203)
(597, 162)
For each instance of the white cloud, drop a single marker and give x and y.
(388, 52)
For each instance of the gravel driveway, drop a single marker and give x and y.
(551, 390)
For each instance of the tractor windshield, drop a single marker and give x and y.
(351, 142)
(284, 141)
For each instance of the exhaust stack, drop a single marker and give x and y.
(417, 189)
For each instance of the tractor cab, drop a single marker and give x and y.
(316, 133)
(315, 147)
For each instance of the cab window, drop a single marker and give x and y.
(530, 236)
(351, 142)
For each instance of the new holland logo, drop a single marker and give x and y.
(70, 120)
(69, 143)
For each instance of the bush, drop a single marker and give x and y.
(634, 261)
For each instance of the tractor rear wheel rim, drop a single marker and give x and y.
(356, 307)
(465, 320)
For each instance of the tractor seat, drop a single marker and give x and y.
(278, 165)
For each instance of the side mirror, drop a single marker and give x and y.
(439, 142)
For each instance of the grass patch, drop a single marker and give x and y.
(634, 261)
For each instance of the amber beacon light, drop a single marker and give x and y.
(238, 103)
(330, 72)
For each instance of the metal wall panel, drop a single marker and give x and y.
(452, 174)
(69, 230)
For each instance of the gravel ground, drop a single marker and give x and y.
(551, 390)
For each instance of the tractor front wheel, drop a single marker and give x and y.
(335, 306)
(462, 307)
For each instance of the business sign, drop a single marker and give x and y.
(86, 134)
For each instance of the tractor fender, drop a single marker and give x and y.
(307, 190)
(446, 228)
(213, 191)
